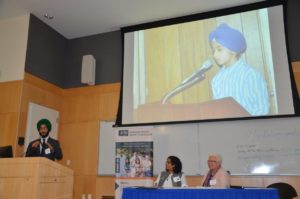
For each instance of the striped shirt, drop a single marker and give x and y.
(243, 83)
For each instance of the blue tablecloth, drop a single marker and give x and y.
(146, 193)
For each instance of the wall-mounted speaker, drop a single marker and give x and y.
(88, 69)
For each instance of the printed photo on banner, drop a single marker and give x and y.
(134, 159)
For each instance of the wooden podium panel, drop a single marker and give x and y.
(34, 178)
(214, 109)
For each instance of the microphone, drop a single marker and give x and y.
(189, 81)
(199, 73)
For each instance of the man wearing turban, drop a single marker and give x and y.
(236, 78)
(45, 146)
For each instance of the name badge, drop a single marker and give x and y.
(176, 179)
(212, 182)
(47, 151)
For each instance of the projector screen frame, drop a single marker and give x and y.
(207, 15)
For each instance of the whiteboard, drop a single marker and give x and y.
(179, 140)
(248, 147)
(107, 148)
(35, 113)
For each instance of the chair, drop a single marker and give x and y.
(285, 191)
(6, 152)
(234, 186)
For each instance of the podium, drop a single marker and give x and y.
(214, 109)
(34, 178)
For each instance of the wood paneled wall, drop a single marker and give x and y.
(81, 109)
(10, 98)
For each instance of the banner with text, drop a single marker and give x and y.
(134, 158)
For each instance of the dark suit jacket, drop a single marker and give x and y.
(36, 152)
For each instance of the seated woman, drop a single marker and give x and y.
(172, 176)
(216, 176)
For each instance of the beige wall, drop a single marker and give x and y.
(13, 45)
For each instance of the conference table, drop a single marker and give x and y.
(199, 193)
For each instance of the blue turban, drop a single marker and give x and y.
(45, 122)
(228, 37)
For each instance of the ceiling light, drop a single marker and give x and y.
(47, 16)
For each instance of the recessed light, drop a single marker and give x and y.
(47, 16)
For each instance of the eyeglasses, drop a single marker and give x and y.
(212, 161)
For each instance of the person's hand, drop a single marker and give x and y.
(50, 147)
(36, 144)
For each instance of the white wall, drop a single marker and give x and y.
(13, 45)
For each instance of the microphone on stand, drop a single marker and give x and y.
(189, 81)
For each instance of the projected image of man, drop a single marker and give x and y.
(235, 77)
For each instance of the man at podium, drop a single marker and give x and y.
(45, 146)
